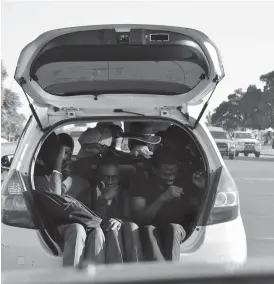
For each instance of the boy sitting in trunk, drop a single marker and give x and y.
(117, 240)
(162, 206)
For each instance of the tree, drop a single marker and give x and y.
(227, 115)
(4, 74)
(251, 109)
(12, 122)
(268, 80)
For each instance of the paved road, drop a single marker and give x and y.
(255, 180)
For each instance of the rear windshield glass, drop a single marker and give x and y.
(219, 135)
(69, 65)
(162, 77)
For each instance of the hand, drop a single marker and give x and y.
(199, 179)
(113, 224)
(66, 168)
(172, 192)
(109, 192)
(143, 151)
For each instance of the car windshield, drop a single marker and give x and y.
(219, 135)
(244, 135)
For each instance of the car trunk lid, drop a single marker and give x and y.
(119, 67)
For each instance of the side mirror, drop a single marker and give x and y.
(6, 161)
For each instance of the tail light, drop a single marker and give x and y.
(14, 208)
(226, 205)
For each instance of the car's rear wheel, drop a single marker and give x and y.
(257, 154)
(246, 154)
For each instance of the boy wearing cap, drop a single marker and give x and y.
(94, 145)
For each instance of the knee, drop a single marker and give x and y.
(174, 226)
(76, 230)
(147, 230)
(177, 228)
(97, 233)
(130, 226)
(112, 232)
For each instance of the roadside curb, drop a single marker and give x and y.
(267, 153)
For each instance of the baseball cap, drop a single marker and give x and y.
(114, 127)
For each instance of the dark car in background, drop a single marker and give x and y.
(224, 142)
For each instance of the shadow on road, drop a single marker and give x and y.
(252, 159)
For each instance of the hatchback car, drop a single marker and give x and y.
(119, 73)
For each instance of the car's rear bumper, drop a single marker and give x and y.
(245, 149)
(227, 152)
(23, 249)
(225, 243)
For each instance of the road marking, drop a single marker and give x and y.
(254, 179)
(261, 239)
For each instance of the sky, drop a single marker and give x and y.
(243, 31)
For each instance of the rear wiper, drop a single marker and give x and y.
(96, 95)
(119, 110)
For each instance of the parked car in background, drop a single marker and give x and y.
(246, 143)
(224, 143)
(7, 152)
(3, 140)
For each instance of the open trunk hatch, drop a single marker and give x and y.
(119, 66)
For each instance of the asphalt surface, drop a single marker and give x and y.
(255, 180)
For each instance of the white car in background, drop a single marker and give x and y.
(224, 143)
(3, 140)
(246, 143)
(125, 73)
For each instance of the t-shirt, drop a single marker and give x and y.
(177, 210)
(118, 209)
